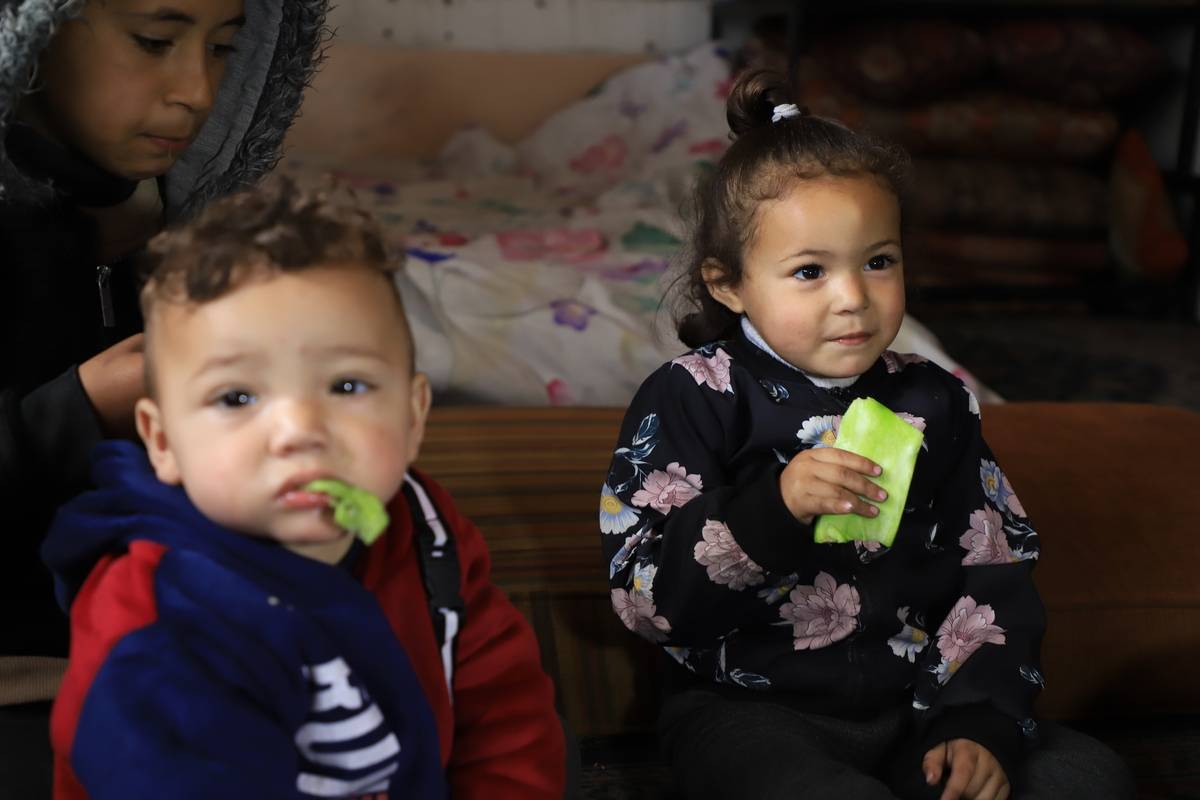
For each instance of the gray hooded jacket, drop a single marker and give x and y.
(58, 307)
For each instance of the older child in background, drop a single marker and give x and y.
(824, 670)
(114, 115)
(230, 638)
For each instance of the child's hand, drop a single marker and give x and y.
(975, 774)
(113, 381)
(826, 480)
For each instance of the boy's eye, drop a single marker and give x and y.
(809, 273)
(235, 398)
(154, 46)
(349, 386)
(880, 262)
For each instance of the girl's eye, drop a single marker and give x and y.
(235, 398)
(350, 386)
(222, 50)
(809, 273)
(880, 262)
(152, 46)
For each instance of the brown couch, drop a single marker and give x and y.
(1110, 487)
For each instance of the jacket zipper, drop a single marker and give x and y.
(104, 284)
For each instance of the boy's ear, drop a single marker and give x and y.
(149, 427)
(716, 278)
(421, 398)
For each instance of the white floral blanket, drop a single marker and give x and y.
(534, 273)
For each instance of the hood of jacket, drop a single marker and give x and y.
(278, 50)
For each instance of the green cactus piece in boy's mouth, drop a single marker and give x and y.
(354, 510)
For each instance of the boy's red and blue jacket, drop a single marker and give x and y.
(206, 663)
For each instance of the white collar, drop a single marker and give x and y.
(825, 383)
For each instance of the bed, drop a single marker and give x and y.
(537, 202)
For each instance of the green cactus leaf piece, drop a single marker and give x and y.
(355, 510)
(869, 429)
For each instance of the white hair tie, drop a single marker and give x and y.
(784, 111)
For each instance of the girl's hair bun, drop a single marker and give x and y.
(752, 100)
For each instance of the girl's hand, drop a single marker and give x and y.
(826, 480)
(113, 381)
(975, 774)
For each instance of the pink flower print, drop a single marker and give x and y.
(521, 245)
(607, 155)
(713, 371)
(823, 613)
(563, 244)
(646, 269)
(985, 542)
(966, 628)
(558, 393)
(572, 313)
(820, 431)
(637, 611)
(726, 562)
(998, 489)
(896, 362)
(574, 244)
(868, 551)
(452, 239)
(708, 147)
(916, 422)
(663, 491)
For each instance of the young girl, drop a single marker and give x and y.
(115, 115)
(824, 670)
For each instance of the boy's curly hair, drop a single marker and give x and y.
(274, 227)
(271, 228)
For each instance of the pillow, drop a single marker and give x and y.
(1144, 234)
(905, 62)
(648, 117)
(1006, 196)
(966, 259)
(978, 124)
(1082, 62)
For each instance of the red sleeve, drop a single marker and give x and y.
(115, 600)
(508, 741)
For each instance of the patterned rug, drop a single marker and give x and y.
(1163, 754)
(1078, 358)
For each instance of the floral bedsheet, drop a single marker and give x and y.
(534, 273)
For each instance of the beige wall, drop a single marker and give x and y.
(619, 26)
(371, 102)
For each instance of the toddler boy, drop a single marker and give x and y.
(229, 638)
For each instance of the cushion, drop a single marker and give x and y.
(1006, 196)
(905, 62)
(981, 123)
(1083, 62)
(1145, 235)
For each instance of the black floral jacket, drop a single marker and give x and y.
(705, 558)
